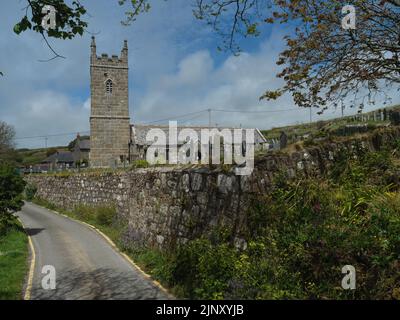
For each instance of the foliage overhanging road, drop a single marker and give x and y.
(86, 265)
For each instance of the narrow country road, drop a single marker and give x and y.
(86, 265)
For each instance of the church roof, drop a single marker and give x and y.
(139, 132)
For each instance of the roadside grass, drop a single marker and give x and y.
(13, 263)
(103, 218)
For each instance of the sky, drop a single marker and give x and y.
(175, 69)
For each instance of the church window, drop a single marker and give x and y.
(109, 86)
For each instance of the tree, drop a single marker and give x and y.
(11, 184)
(7, 134)
(69, 19)
(11, 187)
(51, 151)
(323, 65)
(7, 152)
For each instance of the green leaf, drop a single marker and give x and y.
(252, 29)
(22, 25)
(17, 28)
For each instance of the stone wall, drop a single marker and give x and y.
(167, 205)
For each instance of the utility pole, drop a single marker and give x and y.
(45, 141)
(310, 115)
(210, 142)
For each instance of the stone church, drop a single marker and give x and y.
(113, 140)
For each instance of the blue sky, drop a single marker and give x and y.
(174, 69)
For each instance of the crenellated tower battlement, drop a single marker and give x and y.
(109, 118)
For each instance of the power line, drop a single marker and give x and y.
(242, 111)
(176, 117)
(209, 110)
(193, 118)
(197, 113)
(51, 135)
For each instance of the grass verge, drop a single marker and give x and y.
(13, 263)
(103, 218)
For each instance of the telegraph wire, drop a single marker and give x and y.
(51, 135)
(177, 117)
(196, 113)
(222, 110)
(195, 117)
(243, 111)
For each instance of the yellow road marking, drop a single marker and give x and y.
(130, 261)
(114, 246)
(28, 290)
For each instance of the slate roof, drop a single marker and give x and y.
(60, 156)
(139, 132)
(84, 144)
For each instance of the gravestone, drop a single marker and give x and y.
(283, 139)
(395, 118)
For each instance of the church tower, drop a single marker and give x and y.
(109, 118)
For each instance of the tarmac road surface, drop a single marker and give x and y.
(86, 265)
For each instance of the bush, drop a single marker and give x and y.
(30, 192)
(84, 212)
(51, 151)
(44, 203)
(140, 164)
(11, 188)
(105, 215)
(313, 227)
(204, 269)
(161, 265)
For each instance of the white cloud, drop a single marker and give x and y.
(235, 84)
(87, 104)
(52, 97)
(173, 70)
(47, 113)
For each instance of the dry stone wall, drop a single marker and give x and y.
(168, 205)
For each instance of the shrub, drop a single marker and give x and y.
(140, 164)
(204, 269)
(30, 192)
(11, 188)
(84, 212)
(51, 151)
(105, 215)
(160, 263)
(314, 228)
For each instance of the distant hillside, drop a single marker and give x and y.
(27, 157)
(314, 127)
